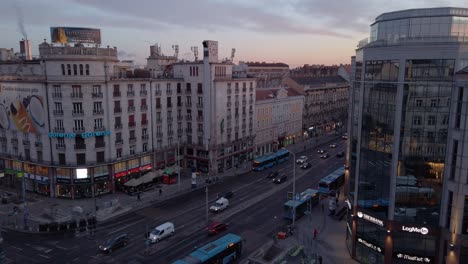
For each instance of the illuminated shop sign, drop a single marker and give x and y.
(369, 245)
(413, 258)
(83, 135)
(412, 229)
(370, 218)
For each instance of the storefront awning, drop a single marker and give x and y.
(149, 177)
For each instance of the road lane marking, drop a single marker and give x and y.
(125, 227)
(47, 257)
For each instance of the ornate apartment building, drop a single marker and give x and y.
(77, 123)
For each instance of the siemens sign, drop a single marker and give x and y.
(83, 135)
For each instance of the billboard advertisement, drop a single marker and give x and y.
(22, 108)
(75, 35)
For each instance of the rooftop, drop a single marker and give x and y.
(321, 80)
(423, 12)
(267, 94)
(267, 64)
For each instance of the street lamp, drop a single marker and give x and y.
(294, 184)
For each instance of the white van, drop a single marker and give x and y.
(161, 232)
(220, 205)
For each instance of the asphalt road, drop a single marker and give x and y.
(255, 213)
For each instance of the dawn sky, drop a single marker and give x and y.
(291, 31)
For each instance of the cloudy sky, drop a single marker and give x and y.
(291, 31)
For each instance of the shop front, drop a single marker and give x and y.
(120, 175)
(101, 180)
(82, 187)
(63, 183)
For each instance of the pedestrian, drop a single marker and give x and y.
(323, 208)
(338, 194)
(138, 197)
(320, 259)
(160, 192)
(315, 232)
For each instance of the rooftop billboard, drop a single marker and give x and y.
(75, 35)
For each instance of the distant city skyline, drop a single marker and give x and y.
(295, 32)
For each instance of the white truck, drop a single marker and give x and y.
(219, 205)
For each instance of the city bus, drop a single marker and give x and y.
(333, 181)
(270, 160)
(226, 249)
(297, 208)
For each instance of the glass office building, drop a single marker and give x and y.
(407, 171)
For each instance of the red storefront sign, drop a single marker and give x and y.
(146, 167)
(120, 174)
(134, 170)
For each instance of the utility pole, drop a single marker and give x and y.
(206, 191)
(294, 185)
(178, 167)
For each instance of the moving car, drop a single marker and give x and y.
(280, 179)
(306, 165)
(320, 151)
(216, 227)
(114, 243)
(273, 174)
(227, 195)
(161, 232)
(325, 156)
(219, 205)
(340, 154)
(344, 136)
(334, 145)
(301, 159)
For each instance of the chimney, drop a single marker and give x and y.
(25, 49)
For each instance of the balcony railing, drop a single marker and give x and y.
(144, 107)
(77, 113)
(170, 132)
(38, 144)
(131, 108)
(131, 124)
(188, 130)
(130, 93)
(200, 105)
(80, 146)
(99, 128)
(169, 92)
(144, 122)
(158, 106)
(14, 141)
(117, 110)
(143, 93)
(179, 131)
(229, 104)
(118, 126)
(188, 117)
(98, 111)
(96, 95)
(132, 139)
(58, 112)
(78, 129)
(60, 146)
(169, 105)
(229, 91)
(200, 118)
(157, 92)
(169, 119)
(26, 142)
(59, 129)
(180, 118)
(159, 135)
(76, 95)
(116, 94)
(100, 144)
(57, 95)
(188, 104)
(144, 137)
(119, 141)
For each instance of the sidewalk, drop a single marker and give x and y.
(329, 243)
(41, 209)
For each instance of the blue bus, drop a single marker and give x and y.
(226, 249)
(333, 181)
(270, 160)
(297, 208)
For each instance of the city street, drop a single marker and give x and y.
(255, 212)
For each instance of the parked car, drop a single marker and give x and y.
(320, 151)
(340, 154)
(114, 243)
(334, 145)
(280, 179)
(227, 195)
(219, 205)
(216, 227)
(301, 159)
(306, 165)
(325, 156)
(161, 232)
(344, 136)
(273, 174)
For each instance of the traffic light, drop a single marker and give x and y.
(290, 196)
